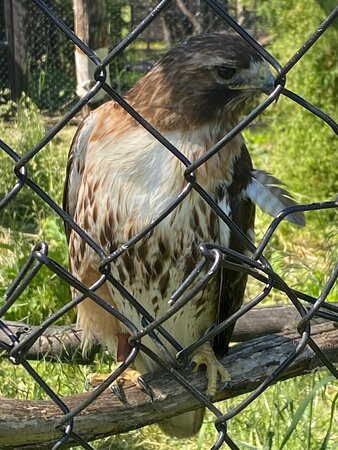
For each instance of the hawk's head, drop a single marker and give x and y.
(204, 78)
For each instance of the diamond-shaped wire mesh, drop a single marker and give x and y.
(213, 256)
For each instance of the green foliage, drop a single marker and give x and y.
(293, 144)
(46, 293)
(23, 133)
(299, 146)
(7, 106)
(52, 84)
(66, 380)
(27, 219)
(299, 413)
(290, 412)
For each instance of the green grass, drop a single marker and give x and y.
(28, 219)
(297, 145)
(296, 414)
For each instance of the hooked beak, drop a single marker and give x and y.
(268, 84)
(253, 83)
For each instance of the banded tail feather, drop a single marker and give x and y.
(265, 191)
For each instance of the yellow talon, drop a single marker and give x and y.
(206, 356)
(130, 374)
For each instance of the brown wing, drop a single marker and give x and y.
(96, 323)
(243, 214)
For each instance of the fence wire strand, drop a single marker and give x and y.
(212, 256)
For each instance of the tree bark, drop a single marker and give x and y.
(90, 25)
(62, 343)
(193, 20)
(106, 416)
(15, 17)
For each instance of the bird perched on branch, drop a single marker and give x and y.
(119, 178)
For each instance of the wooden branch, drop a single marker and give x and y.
(265, 320)
(63, 343)
(57, 343)
(26, 424)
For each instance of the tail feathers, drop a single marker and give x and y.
(184, 425)
(265, 190)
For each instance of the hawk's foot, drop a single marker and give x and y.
(130, 374)
(206, 356)
(93, 380)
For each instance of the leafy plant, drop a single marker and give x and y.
(296, 146)
(27, 219)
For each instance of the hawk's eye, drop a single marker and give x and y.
(226, 72)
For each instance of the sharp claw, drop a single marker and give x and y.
(209, 397)
(116, 387)
(191, 367)
(146, 388)
(225, 385)
(117, 390)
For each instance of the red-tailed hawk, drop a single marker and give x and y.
(119, 177)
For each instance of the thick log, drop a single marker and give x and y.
(62, 343)
(58, 343)
(265, 320)
(26, 424)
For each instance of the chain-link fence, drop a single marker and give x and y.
(4, 83)
(39, 60)
(212, 256)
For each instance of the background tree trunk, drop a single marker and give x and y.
(92, 26)
(15, 13)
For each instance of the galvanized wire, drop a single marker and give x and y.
(213, 256)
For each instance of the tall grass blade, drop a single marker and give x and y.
(245, 445)
(304, 403)
(325, 442)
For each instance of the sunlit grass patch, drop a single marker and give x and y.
(297, 147)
